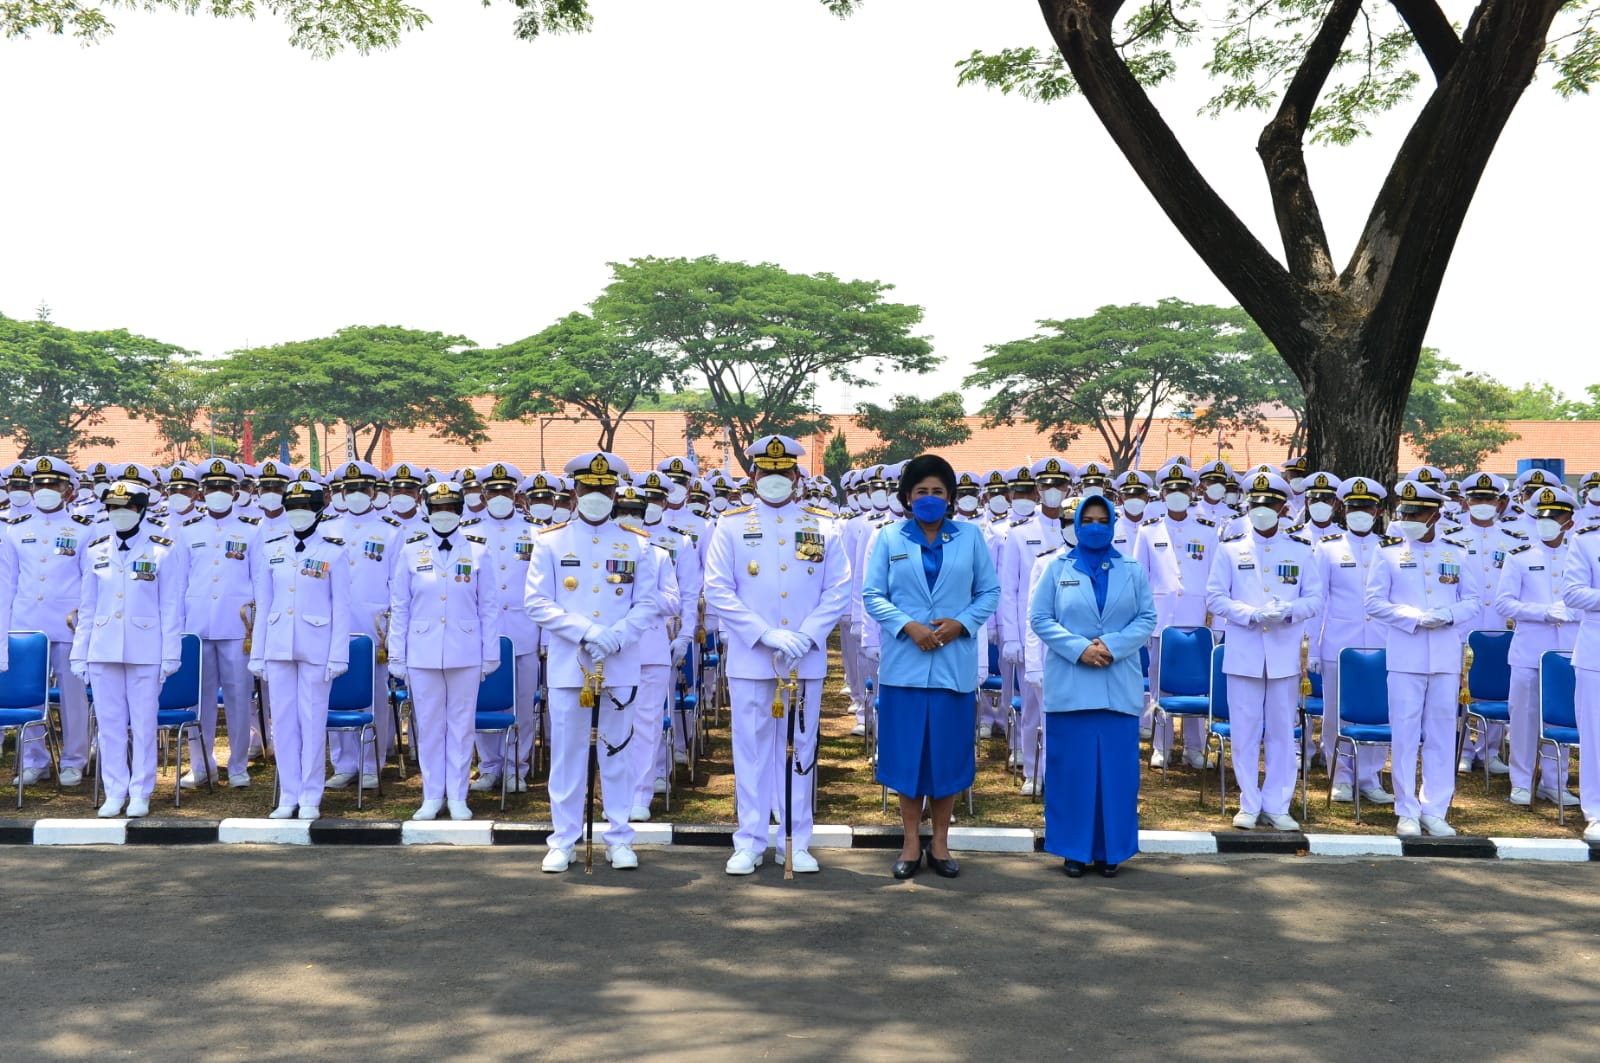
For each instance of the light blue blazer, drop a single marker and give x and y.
(895, 593)
(1066, 619)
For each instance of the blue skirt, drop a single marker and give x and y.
(1091, 797)
(926, 740)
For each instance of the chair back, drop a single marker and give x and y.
(1185, 662)
(1363, 686)
(26, 685)
(498, 693)
(1144, 660)
(1558, 689)
(1489, 678)
(994, 657)
(1316, 684)
(181, 690)
(352, 692)
(1219, 686)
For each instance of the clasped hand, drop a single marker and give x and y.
(945, 631)
(1096, 655)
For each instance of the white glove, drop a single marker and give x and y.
(1034, 678)
(680, 650)
(1431, 620)
(489, 666)
(1265, 614)
(81, 670)
(603, 641)
(1011, 652)
(873, 652)
(5, 664)
(791, 644)
(169, 668)
(397, 668)
(1314, 664)
(257, 668)
(335, 670)
(1558, 613)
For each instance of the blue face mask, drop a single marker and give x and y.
(1094, 536)
(929, 508)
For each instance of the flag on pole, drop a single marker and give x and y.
(283, 451)
(386, 451)
(689, 440)
(316, 451)
(247, 446)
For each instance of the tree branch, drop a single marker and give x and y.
(1434, 33)
(1282, 150)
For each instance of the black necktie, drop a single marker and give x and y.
(299, 545)
(444, 543)
(122, 540)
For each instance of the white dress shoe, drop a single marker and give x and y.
(1568, 800)
(428, 810)
(1408, 828)
(680, 757)
(1245, 820)
(138, 807)
(804, 862)
(369, 782)
(192, 781)
(282, 812)
(659, 786)
(1498, 767)
(484, 784)
(743, 862)
(29, 776)
(1463, 766)
(459, 810)
(622, 857)
(1158, 759)
(519, 784)
(1283, 822)
(1591, 833)
(112, 807)
(1437, 827)
(1343, 793)
(339, 780)
(239, 780)
(638, 814)
(1194, 758)
(1030, 788)
(1377, 795)
(71, 776)
(859, 730)
(986, 731)
(310, 812)
(1146, 733)
(1521, 795)
(556, 860)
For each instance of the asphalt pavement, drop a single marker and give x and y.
(284, 953)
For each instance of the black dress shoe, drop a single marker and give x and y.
(1108, 870)
(1073, 868)
(907, 868)
(949, 867)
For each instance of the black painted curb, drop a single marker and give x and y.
(355, 832)
(1458, 848)
(1262, 842)
(16, 831)
(521, 833)
(172, 831)
(718, 835)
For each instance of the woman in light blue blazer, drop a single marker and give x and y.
(930, 585)
(1092, 609)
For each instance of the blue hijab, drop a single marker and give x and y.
(1095, 561)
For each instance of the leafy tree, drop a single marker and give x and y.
(1455, 418)
(681, 399)
(579, 361)
(761, 338)
(1115, 371)
(1543, 402)
(373, 378)
(836, 459)
(910, 425)
(58, 381)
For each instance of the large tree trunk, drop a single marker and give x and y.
(1353, 413)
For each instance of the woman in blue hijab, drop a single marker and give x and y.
(1092, 609)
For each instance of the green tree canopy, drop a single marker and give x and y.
(836, 459)
(1457, 419)
(911, 425)
(1115, 371)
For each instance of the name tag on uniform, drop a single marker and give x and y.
(198, 545)
(277, 560)
(426, 566)
(102, 564)
(1160, 544)
(1347, 564)
(30, 539)
(1247, 566)
(752, 535)
(1070, 582)
(1033, 542)
(570, 562)
(898, 557)
(1535, 568)
(1408, 564)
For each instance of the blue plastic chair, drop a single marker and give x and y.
(686, 702)
(24, 698)
(1558, 719)
(1219, 727)
(350, 709)
(1363, 710)
(1185, 678)
(1488, 690)
(497, 712)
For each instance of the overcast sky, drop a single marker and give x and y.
(201, 182)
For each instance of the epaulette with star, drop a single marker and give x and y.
(196, 519)
(1300, 539)
(100, 540)
(1050, 551)
(476, 539)
(1150, 521)
(1235, 537)
(333, 539)
(1509, 520)
(161, 540)
(1020, 521)
(470, 521)
(17, 520)
(1208, 522)
(1519, 549)
(997, 520)
(552, 528)
(1331, 537)
(249, 520)
(417, 538)
(1458, 544)
(1514, 534)
(390, 520)
(636, 531)
(817, 511)
(1454, 529)
(741, 509)
(80, 519)
(157, 523)
(1590, 528)
(1391, 540)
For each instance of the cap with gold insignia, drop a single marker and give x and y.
(219, 470)
(1416, 495)
(652, 486)
(273, 472)
(358, 473)
(19, 475)
(1020, 477)
(1427, 475)
(307, 476)
(775, 453)
(1217, 471)
(183, 474)
(679, 469)
(310, 492)
(1176, 473)
(443, 493)
(966, 484)
(1054, 470)
(1095, 474)
(50, 469)
(132, 470)
(597, 468)
(405, 474)
(1483, 485)
(1590, 481)
(699, 491)
(127, 493)
(995, 481)
(1322, 483)
(1134, 480)
(1362, 491)
(1295, 467)
(499, 474)
(1555, 500)
(1532, 479)
(1266, 487)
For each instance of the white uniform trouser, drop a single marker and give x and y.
(868, 670)
(1422, 714)
(1587, 703)
(760, 752)
(343, 746)
(125, 699)
(569, 767)
(1524, 731)
(223, 663)
(649, 711)
(74, 716)
(299, 729)
(1372, 757)
(1194, 727)
(492, 747)
(1030, 727)
(446, 703)
(850, 655)
(1262, 713)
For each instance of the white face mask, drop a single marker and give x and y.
(20, 498)
(540, 510)
(1298, 484)
(879, 499)
(47, 498)
(719, 504)
(1052, 497)
(1214, 492)
(474, 498)
(1133, 507)
(124, 519)
(1411, 529)
(631, 519)
(381, 500)
(747, 498)
(1360, 523)
(272, 500)
(1024, 507)
(176, 503)
(1594, 496)
(404, 505)
(219, 501)
(653, 512)
(594, 507)
(357, 502)
(697, 508)
(1321, 512)
(676, 494)
(444, 523)
(1177, 502)
(1263, 518)
(1231, 498)
(1548, 530)
(1483, 511)
(561, 514)
(967, 504)
(1069, 533)
(775, 489)
(502, 506)
(100, 490)
(895, 507)
(999, 505)
(301, 519)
